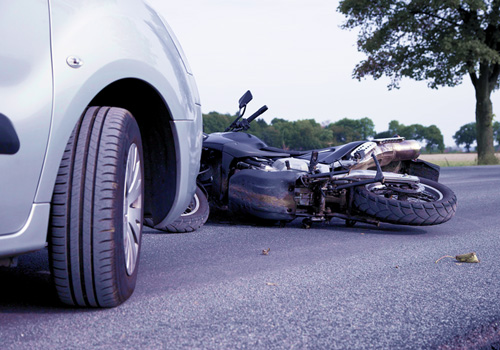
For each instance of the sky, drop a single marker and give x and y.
(296, 59)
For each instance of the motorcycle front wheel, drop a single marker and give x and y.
(194, 217)
(428, 203)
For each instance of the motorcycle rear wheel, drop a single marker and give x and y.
(434, 205)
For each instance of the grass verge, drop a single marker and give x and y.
(452, 159)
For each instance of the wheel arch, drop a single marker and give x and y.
(158, 138)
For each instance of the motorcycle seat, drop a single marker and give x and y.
(290, 152)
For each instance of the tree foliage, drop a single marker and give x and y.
(438, 41)
(466, 135)
(347, 130)
(430, 135)
(297, 135)
(216, 122)
(308, 134)
(496, 132)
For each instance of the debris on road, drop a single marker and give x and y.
(463, 258)
(266, 251)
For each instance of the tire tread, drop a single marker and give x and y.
(82, 229)
(407, 213)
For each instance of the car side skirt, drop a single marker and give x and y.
(28, 239)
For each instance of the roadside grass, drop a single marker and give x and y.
(452, 164)
(452, 159)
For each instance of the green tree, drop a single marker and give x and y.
(366, 127)
(271, 136)
(258, 128)
(384, 135)
(298, 135)
(496, 131)
(466, 135)
(438, 41)
(284, 130)
(431, 135)
(410, 132)
(348, 130)
(434, 138)
(344, 131)
(216, 122)
(395, 128)
(306, 134)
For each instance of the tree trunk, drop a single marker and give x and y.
(484, 119)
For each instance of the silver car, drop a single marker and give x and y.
(100, 128)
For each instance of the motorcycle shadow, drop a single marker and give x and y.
(337, 225)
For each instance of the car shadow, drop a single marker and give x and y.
(28, 288)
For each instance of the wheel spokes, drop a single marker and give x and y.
(193, 206)
(132, 208)
(421, 193)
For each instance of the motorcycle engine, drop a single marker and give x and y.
(298, 165)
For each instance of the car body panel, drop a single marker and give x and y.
(26, 99)
(75, 88)
(112, 42)
(189, 162)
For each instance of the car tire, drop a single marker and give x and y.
(97, 211)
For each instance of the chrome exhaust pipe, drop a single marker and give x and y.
(388, 152)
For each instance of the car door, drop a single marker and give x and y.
(25, 105)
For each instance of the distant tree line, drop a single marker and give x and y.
(467, 135)
(308, 134)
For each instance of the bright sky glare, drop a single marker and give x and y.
(295, 58)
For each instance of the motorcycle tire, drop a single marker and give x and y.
(435, 205)
(194, 217)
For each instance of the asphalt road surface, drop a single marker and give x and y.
(329, 287)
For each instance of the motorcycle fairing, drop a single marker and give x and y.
(236, 145)
(240, 145)
(267, 195)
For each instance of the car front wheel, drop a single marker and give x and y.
(97, 211)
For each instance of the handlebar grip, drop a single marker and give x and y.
(256, 114)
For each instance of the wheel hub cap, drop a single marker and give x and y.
(132, 208)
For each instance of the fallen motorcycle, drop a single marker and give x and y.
(381, 180)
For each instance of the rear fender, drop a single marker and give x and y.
(421, 168)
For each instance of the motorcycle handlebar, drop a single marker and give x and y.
(256, 114)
